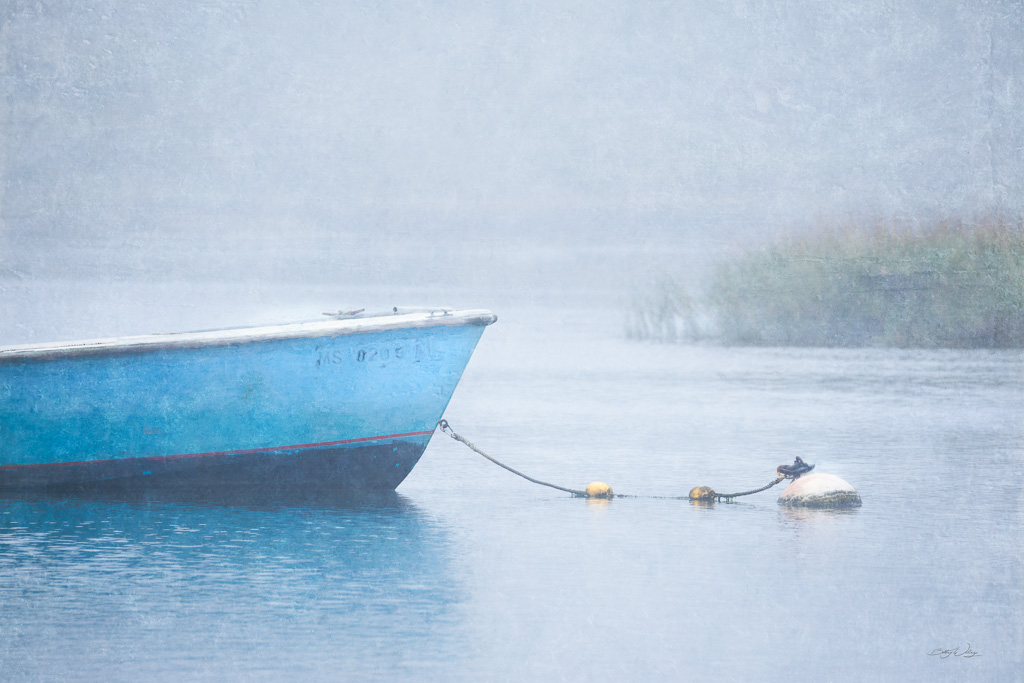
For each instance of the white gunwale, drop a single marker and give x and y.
(241, 335)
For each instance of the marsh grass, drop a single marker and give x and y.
(666, 313)
(951, 285)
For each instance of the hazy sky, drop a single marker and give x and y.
(145, 139)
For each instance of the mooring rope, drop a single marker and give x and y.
(443, 424)
(446, 428)
(767, 486)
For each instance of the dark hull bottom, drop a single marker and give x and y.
(378, 466)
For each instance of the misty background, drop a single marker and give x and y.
(191, 164)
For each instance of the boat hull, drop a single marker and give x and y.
(377, 466)
(346, 406)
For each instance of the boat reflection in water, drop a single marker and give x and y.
(236, 584)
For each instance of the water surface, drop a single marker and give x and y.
(469, 573)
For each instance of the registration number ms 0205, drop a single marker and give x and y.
(412, 351)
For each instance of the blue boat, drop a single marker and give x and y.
(348, 402)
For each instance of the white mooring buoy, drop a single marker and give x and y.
(819, 490)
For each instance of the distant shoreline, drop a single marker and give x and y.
(950, 284)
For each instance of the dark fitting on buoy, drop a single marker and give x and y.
(794, 471)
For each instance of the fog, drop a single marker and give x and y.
(180, 165)
(266, 155)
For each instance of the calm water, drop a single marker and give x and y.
(469, 573)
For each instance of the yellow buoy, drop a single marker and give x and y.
(599, 489)
(702, 493)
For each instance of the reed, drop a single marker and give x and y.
(666, 313)
(951, 284)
